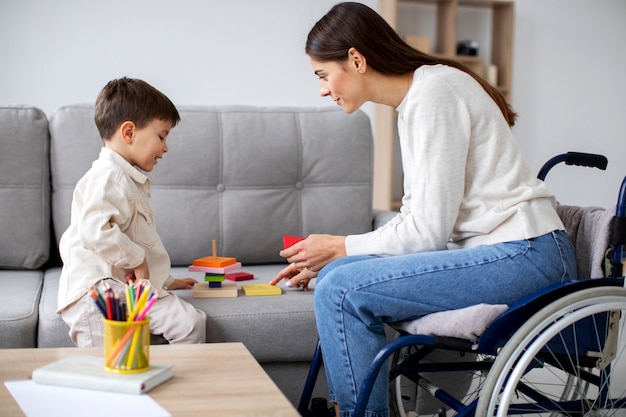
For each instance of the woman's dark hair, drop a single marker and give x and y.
(351, 24)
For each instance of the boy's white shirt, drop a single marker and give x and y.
(465, 181)
(112, 229)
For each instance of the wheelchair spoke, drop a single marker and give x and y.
(552, 365)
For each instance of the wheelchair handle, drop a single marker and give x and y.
(574, 158)
(587, 159)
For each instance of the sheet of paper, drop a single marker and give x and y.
(38, 400)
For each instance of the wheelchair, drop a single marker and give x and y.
(557, 352)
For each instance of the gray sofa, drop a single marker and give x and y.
(244, 176)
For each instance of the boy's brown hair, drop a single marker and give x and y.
(128, 99)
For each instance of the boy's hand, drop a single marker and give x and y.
(138, 273)
(182, 284)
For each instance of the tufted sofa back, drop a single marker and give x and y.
(24, 188)
(244, 176)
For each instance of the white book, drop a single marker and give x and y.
(88, 372)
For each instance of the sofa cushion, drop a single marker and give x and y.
(260, 321)
(256, 321)
(51, 330)
(19, 303)
(24, 188)
(244, 176)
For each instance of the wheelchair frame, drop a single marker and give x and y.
(569, 330)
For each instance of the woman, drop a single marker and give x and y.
(475, 225)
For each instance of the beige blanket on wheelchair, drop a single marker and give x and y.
(588, 231)
(465, 323)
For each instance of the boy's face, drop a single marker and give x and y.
(149, 144)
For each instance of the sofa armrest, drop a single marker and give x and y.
(381, 217)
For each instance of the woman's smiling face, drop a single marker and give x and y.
(341, 82)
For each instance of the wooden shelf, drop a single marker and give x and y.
(445, 45)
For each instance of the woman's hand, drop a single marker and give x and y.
(295, 277)
(315, 252)
(307, 257)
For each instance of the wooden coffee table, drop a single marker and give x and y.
(214, 379)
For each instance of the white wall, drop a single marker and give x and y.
(196, 51)
(570, 91)
(568, 87)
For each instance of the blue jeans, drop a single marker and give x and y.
(356, 295)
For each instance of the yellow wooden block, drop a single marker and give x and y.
(214, 261)
(260, 289)
(228, 289)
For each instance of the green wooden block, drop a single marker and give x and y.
(214, 277)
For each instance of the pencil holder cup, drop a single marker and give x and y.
(126, 346)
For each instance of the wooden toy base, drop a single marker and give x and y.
(202, 290)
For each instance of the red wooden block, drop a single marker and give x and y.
(291, 240)
(239, 276)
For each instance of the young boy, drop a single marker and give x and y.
(112, 237)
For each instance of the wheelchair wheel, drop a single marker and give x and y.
(408, 398)
(554, 366)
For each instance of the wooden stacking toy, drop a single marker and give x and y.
(215, 270)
